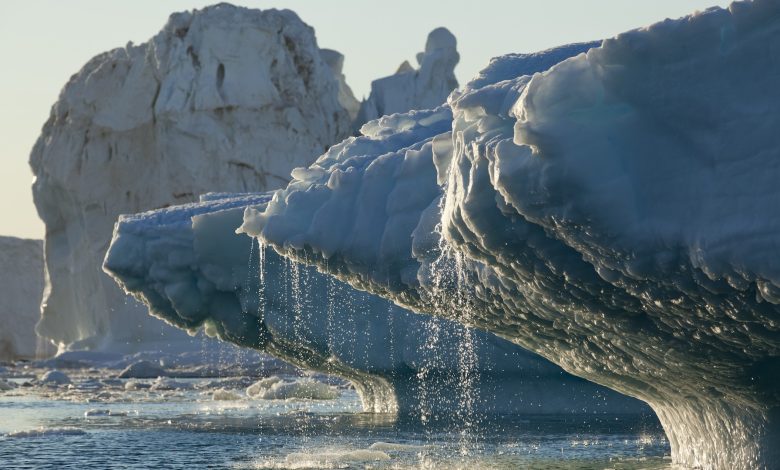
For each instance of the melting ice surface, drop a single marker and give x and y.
(101, 422)
(192, 270)
(616, 214)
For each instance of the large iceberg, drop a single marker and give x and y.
(21, 281)
(615, 214)
(192, 270)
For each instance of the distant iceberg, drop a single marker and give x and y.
(21, 288)
(616, 214)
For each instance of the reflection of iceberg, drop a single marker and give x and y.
(616, 214)
(192, 270)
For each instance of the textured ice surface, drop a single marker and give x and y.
(615, 214)
(223, 98)
(192, 269)
(21, 281)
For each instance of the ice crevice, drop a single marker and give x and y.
(615, 214)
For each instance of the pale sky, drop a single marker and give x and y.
(44, 42)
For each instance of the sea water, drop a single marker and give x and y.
(101, 422)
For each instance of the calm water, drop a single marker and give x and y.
(185, 427)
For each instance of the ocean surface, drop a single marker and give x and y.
(97, 422)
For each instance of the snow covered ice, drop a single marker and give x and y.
(615, 214)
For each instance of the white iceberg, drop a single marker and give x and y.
(223, 98)
(21, 278)
(411, 88)
(615, 214)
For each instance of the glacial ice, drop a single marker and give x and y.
(411, 88)
(615, 214)
(21, 280)
(192, 270)
(223, 98)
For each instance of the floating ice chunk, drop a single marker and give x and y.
(259, 387)
(142, 370)
(96, 412)
(274, 388)
(396, 447)
(55, 377)
(132, 385)
(47, 432)
(6, 385)
(164, 383)
(328, 459)
(223, 394)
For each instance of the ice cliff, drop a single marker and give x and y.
(21, 280)
(223, 98)
(192, 270)
(615, 214)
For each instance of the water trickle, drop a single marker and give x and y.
(297, 299)
(261, 295)
(449, 294)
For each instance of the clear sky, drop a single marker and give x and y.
(43, 42)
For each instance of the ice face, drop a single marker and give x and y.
(192, 270)
(614, 214)
(21, 281)
(223, 98)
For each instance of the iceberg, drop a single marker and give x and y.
(410, 88)
(192, 270)
(21, 278)
(614, 214)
